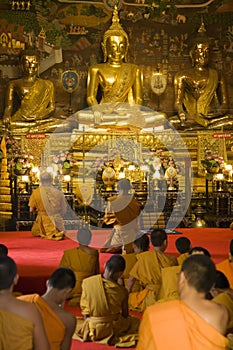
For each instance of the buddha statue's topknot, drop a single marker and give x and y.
(201, 37)
(115, 29)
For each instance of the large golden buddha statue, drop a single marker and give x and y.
(119, 81)
(200, 92)
(29, 100)
(121, 85)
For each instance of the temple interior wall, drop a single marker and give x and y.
(68, 36)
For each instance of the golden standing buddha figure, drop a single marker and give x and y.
(119, 81)
(200, 92)
(29, 100)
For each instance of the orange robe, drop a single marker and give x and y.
(173, 325)
(182, 258)
(130, 261)
(16, 332)
(51, 205)
(169, 283)
(54, 327)
(84, 265)
(227, 268)
(123, 212)
(148, 271)
(102, 301)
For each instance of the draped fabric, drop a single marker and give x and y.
(173, 325)
(51, 205)
(54, 327)
(16, 332)
(148, 271)
(122, 88)
(83, 264)
(102, 300)
(36, 104)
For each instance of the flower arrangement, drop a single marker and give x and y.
(63, 161)
(160, 159)
(116, 161)
(212, 160)
(17, 159)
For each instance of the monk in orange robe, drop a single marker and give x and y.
(104, 304)
(123, 212)
(183, 245)
(21, 326)
(226, 266)
(141, 244)
(50, 205)
(59, 324)
(83, 260)
(148, 271)
(193, 322)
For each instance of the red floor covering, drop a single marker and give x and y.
(38, 258)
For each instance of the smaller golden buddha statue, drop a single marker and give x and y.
(200, 92)
(29, 100)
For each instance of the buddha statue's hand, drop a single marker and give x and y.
(6, 120)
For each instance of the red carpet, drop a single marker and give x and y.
(38, 258)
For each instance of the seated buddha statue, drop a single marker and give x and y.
(200, 92)
(120, 84)
(29, 100)
(119, 81)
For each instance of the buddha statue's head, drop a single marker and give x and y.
(29, 62)
(200, 48)
(115, 41)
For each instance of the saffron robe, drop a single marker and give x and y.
(84, 265)
(227, 268)
(16, 332)
(123, 212)
(51, 205)
(102, 300)
(182, 258)
(54, 327)
(169, 283)
(130, 261)
(173, 325)
(148, 271)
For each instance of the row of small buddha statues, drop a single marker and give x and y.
(200, 92)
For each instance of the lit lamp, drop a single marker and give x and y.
(66, 178)
(35, 174)
(25, 179)
(156, 177)
(131, 169)
(145, 170)
(219, 177)
(49, 169)
(121, 175)
(228, 170)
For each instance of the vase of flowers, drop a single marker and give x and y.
(161, 165)
(212, 162)
(20, 161)
(63, 162)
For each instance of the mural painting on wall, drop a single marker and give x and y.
(68, 36)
